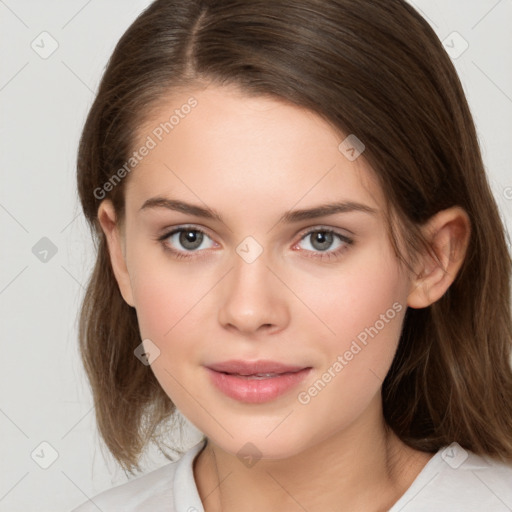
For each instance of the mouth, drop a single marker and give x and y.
(252, 368)
(256, 382)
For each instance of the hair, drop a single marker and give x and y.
(373, 68)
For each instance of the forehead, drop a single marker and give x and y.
(218, 144)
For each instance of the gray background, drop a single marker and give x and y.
(43, 103)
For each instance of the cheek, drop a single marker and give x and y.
(166, 293)
(167, 302)
(170, 300)
(362, 311)
(157, 304)
(368, 292)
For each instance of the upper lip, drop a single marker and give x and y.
(253, 367)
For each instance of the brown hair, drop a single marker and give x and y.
(373, 68)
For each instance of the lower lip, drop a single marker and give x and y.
(256, 391)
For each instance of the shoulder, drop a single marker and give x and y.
(146, 492)
(459, 480)
(153, 492)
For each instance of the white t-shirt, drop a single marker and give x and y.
(453, 480)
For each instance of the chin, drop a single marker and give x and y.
(256, 446)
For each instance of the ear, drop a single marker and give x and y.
(115, 243)
(448, 233)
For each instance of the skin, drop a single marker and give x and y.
(252, 160)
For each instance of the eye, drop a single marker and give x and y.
(323, 242)
(186, 239)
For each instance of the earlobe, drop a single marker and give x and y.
(448, 233)
(108, 222)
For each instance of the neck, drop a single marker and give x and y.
(363, 467)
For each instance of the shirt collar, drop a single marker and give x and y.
(186, 495)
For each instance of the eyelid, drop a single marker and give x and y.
(168, 231)
(337, 231)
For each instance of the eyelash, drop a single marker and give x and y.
(325, 255)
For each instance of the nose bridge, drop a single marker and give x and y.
(252, 296)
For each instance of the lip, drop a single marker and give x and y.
(253, 367)
(237, 379)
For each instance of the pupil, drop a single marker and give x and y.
(191, 239)
(324, 239)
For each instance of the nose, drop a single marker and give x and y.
(253, 299)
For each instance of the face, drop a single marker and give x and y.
(266, 276)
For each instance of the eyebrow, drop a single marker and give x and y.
(288, 217)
